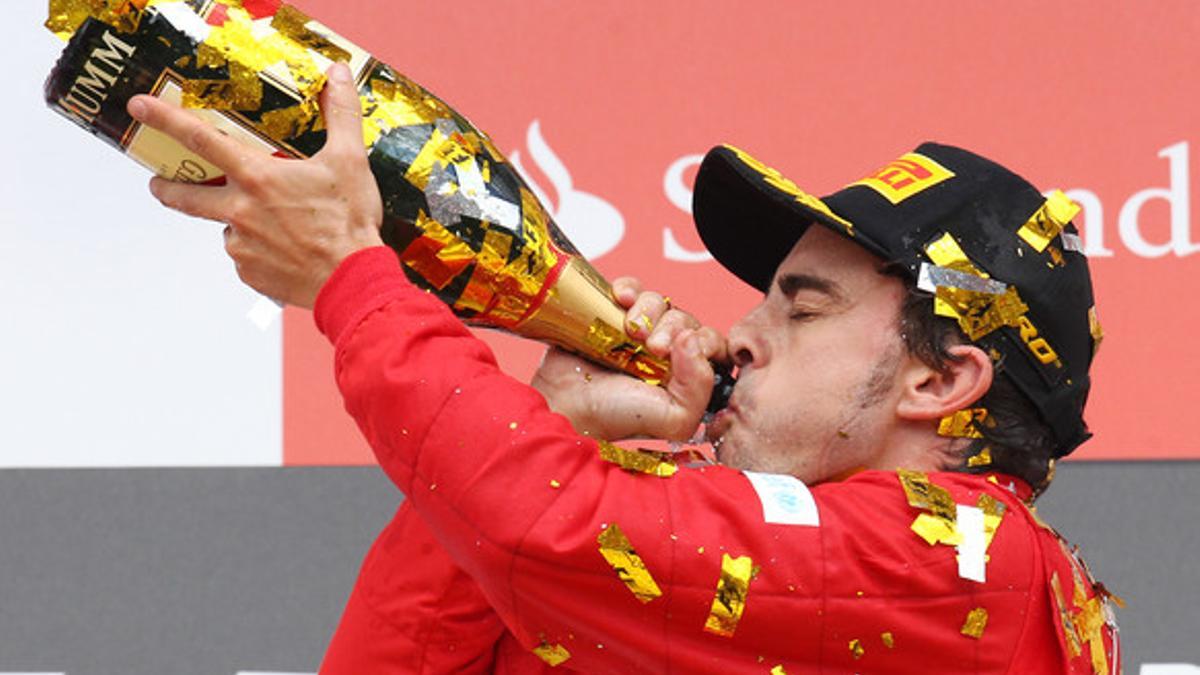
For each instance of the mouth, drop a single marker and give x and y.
(716, 429)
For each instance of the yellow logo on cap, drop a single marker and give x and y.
(904, 177)
(781, 183)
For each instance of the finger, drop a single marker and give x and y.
(643, 316)
(192, 133)
(691, 383)
(343, 113)
(626, 290)
(194, 200)
(666, 327)
(713, 345)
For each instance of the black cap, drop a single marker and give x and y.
(1002, 258)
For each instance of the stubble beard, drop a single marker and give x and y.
(871, 392)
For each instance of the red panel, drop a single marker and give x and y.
(1069, 95)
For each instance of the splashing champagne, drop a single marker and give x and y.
(465, 226)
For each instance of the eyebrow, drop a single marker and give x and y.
(791, 284)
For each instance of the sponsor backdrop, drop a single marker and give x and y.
(139, 374)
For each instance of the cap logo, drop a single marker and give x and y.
(906, 176)
(777, 180)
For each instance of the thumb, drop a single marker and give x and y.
(343, 112)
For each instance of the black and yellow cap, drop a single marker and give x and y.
(1001, 258)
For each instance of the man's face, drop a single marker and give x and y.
(818, 362)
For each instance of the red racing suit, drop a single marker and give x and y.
(601, 569)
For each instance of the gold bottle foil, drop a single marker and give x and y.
(463, 222)
(729, 603)
(630, 569)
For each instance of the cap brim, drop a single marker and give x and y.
(749, 217)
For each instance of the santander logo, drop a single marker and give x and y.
(594, 225)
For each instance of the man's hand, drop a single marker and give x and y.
(290, 223)
(609, 405)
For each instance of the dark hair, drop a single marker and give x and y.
(1019, 443)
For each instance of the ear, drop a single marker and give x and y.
(931, 394)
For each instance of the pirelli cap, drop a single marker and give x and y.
(1000, 258)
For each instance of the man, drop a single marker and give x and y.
(917, 364)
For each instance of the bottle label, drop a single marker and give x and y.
(166, 157)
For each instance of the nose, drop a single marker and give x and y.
(747, 347)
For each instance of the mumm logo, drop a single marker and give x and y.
(99, 73)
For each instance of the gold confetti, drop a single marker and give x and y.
(856, 648)
(297, 26)
(66, 16)
(730, 600)
(1048, 221)
(628, 565)
(888, 640)
(1064, 615)
(936, 530)
(923, 494)
(555, 484)
(1096, 329)
(963, 423)
(945, 252)
(976, 622)
(512, 425)
(552, 654)
(293, 121)
(778, 670)
(979, 313)
(983, 458)
(938, 525)
(248, 55)
(660, 464)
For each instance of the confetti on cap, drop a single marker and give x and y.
(1048, 221)
(888, 640)
(730, 601)
(975, 623)
(660, 464)
(778, 670)
(980, 305)
(1072, 242)
(1096, 330)
(619, 552)
(552, 654)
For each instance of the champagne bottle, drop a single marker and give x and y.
(464, 224)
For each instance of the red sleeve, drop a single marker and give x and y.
(518, 500)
